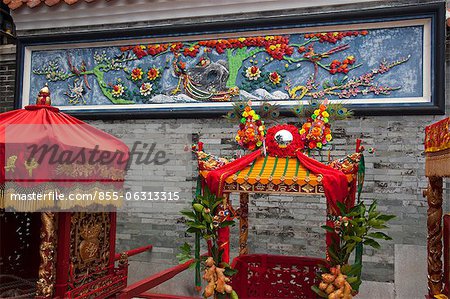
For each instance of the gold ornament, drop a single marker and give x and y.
(43, 97)
(11, 163)
(30, 166)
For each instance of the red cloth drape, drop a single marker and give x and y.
(216, 178)
(334, 184)
(215, 181)
(334, 181)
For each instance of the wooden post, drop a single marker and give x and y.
(243, 223)
(434, 244)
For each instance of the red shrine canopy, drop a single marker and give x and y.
(335, 181)
(44, 151)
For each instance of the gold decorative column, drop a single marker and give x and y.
(46, 281)
(434, 244)
(243, 223)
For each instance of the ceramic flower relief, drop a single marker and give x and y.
(269, 62)
(253, 73)
(275, 78)
(337, 66)
(191, 51)
(153, 73)
(117, 90)
(146, 89)
(136, 74)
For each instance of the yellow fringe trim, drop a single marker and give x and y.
(91, 193)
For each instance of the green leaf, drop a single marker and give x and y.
(379, 235)
(386, 217)
(328, 228)
(198, 207)
(355, 209)
(373, 214)
(193, 230)
(360, 230)
(216, 204)
(350, 247)
(226, 223)
(373, 206)
(345, 269)
(333, 254)
(185, 253)
(192, 265)
(221, 295)
(207, 217)
(372, 243)
(319, 292)
(188, 214)
(196, 225)
(380, 226)
(356, 239)
(342, 208)
(352, 279)
(353, 214)
(374, 222)
(234, 295)
(355, 269)
(230, 272)
(186, 248)
(355, 285)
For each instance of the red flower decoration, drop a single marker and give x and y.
(274, 149)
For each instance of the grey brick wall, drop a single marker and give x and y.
(7, 77)
(283, 224)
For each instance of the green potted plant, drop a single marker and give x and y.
(355, 227)
(204, 220)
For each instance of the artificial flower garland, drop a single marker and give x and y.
(285, 150)
(251, 130)
(316, 132)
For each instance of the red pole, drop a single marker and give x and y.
(152, 281)
(134, 251)
(63, 254)
(112, 240)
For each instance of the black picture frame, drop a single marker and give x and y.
(434, 11)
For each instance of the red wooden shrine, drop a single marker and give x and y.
(57, 254)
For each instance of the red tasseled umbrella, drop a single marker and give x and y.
(70, 157)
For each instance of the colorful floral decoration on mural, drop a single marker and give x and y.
(222, 69)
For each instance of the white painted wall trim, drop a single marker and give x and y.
(124, 11)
